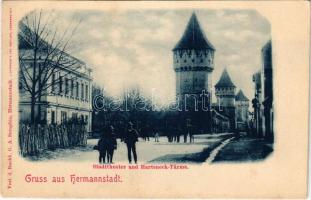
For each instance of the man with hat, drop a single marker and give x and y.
(130, 139)
(112, 144)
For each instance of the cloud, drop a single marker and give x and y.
(134, 47)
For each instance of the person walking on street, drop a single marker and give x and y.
(185, 135)
(191, 132)
(156, 136)
(112, 144)
(102, 148)
(130, 139)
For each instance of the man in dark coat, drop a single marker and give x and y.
(130, 139)
(112, 144)
(103, 148)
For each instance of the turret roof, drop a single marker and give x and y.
(193, 37)
(241, 97)
(225, 80)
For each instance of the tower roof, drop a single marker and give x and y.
(193, 37)
(241, 97)
(225, 80)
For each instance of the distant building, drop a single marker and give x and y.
(257, 105)
(242, 104)
(267, 90)
(221, 123)
(263, 100)
(193, 64)
(68, 96)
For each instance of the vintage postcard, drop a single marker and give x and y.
(155, 99)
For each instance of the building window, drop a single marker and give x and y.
(77, 91)
(75, 116)
(86, 92)
(86, 119)
(63, 116)
(66, 86)
(53, 117)
(60, 84)
(53, 83)
(72, 86)
(82, 91)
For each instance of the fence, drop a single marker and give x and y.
(33, 139)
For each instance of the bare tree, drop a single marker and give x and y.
(42, 53)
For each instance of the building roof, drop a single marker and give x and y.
(225, 80)
(23, 44)
(193, 37)
(241, 97)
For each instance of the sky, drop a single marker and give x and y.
(126, 48)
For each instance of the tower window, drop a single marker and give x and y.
(185, 60)
(201, 60)
(193, 60)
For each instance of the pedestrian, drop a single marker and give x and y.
(147, 132)
(102, 148)
(130, 139)
(156, 136)
(178, 132)
(112, 144)
(191, 132)
(185, 135)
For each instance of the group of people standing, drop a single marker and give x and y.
(107, 144)
(174, 134)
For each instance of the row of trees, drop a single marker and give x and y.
(133, 107)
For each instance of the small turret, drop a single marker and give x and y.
(225, 90)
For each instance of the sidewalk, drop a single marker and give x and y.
(244, 150)
(196, 157)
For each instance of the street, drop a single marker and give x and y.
(147, 151)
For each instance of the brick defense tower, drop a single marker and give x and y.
(193, 65)
(225, 93)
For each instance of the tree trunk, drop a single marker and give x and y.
(39, 107)
(32, 109)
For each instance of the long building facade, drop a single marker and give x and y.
(263, 98)
(67, 95)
